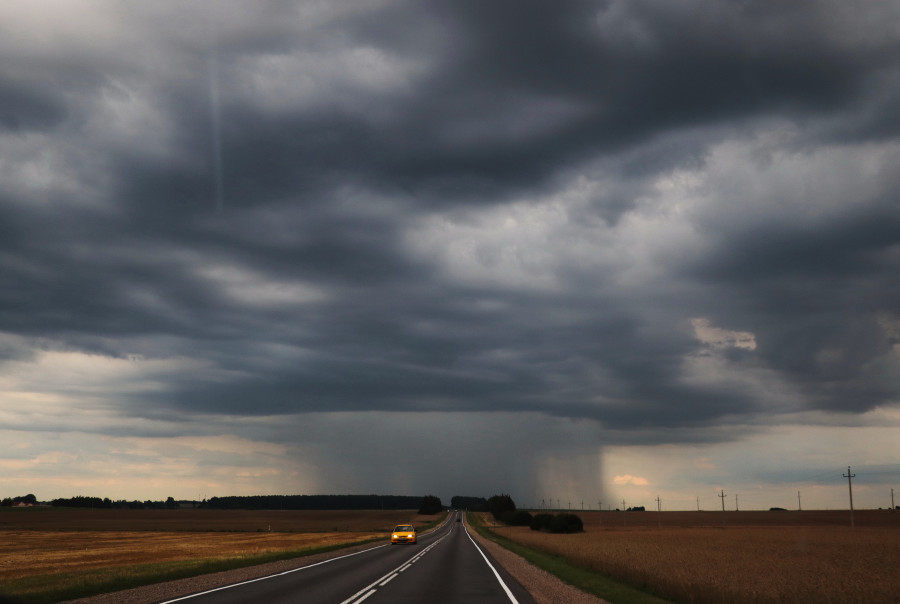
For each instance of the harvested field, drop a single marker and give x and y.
(862, 518)
(197, 520)
(27, 553)
(758, 557)
(55, 546)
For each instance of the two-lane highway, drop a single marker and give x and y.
(445, 566)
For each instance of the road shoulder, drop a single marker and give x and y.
(168, 590)
(543, 587)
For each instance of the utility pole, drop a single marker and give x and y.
(799, 507)
(849, 476)
(624, 514)
(722, 497)
(658, 512)
(698, 503)
(892, 500)
(736, 508)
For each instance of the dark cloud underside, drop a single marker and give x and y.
(467, 206)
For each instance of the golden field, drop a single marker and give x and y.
(28, 553)
(50, 544)
(758, 557)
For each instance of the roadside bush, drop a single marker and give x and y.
(517, 518)
(566, 523)
(541, 522)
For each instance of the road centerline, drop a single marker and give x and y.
(371, 588)
(281, 574)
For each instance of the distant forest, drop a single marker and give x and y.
(268, 502)
(314, 502)
(459, 502)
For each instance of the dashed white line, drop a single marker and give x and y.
(368, 590)
(287, 572)
(371, 591)
(358, 595)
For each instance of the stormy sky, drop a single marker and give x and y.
(575, 250)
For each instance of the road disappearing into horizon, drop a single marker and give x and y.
(446, 566)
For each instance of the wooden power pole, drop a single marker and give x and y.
(849, 476)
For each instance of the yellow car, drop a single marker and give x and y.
(403, 533)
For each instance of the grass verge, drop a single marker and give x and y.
(58, 587)
(588, 581)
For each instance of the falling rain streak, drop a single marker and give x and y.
(216, 127)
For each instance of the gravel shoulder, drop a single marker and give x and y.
(544, 587)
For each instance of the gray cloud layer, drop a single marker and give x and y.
(732, 162)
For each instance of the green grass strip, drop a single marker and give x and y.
(57, 587)
(46, 589)
(588, 581)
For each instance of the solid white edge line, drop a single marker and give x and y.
(293, 570)
(512, 598)
(287, 572)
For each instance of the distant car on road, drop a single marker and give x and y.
(403, 533)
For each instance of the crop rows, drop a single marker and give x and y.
(758, 564)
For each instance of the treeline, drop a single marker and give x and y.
(315, 502)
(474, 504)
(429, 504)
(80, 501)
(503, 508)
(29, 499)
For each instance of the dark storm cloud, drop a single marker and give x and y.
(819, 288)
(25, 108)
(342, 142)
(554, 84)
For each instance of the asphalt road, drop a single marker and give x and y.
(446, 566)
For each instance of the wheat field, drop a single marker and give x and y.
(694, 559)
(61, 545)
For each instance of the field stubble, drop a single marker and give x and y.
(56, 546)
(766, 562)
